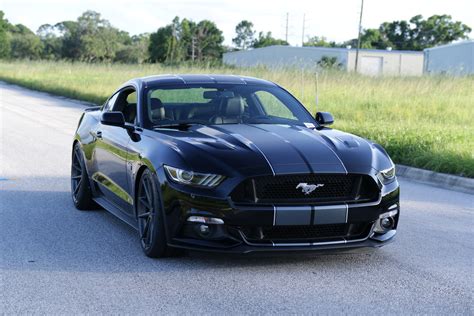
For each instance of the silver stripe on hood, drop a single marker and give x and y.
(252, 145)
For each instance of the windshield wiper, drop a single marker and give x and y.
(182, 126)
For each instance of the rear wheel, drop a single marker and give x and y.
(151, 225)
(80, 186)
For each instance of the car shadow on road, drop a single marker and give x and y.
(43, 231)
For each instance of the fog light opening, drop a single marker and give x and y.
(387, 223)
(204, 230)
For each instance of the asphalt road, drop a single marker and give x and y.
(55, 259)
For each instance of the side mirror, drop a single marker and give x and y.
(113, 118)
(324, 118)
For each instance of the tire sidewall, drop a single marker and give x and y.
(84, 197)
(158, 245)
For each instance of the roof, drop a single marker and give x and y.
(332, 49)
(185, 79)
(467, 42)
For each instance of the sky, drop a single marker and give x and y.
(337, 20)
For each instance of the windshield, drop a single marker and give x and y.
(224, 104)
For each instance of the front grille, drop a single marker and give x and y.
(283, 189)
(305, 233)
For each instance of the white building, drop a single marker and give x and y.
(453, 59)
(371, 61)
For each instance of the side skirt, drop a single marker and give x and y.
(110, 207)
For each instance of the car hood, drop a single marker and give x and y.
(274, 149)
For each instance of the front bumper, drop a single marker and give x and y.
(231, 236)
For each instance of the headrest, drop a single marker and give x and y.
(155, 103)
(234, 107)
(157, 109)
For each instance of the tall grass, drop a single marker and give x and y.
(425, 122)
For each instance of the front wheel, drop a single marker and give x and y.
(151, 226)
(80, 187)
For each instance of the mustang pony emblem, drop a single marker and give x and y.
(308, 188)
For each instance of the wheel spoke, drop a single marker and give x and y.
(147, 192)
(144, 215)
(79, 176)
(78, 168)
(78, 158)
(145, 229)
(144, 202)
(76, 189)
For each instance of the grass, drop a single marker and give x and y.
(426, 122)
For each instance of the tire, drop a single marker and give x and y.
(80, 186)
(151, 227)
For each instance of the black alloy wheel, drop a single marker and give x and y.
(150, 218)
(80, 187)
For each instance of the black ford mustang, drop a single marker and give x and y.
(230, 164)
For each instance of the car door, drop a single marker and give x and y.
(111, 152)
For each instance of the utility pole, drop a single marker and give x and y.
(358, 37)
(304, 27)
(193, 45)
(286, 28)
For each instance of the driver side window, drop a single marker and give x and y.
(125, 101)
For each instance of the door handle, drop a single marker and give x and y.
(98, 134)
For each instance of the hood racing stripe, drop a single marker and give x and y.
(306, 132)
(303, 157)
(252, 145)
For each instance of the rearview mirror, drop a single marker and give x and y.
(324, 118)
(113, 118)
(217, 94)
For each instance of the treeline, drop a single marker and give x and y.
(91, 38)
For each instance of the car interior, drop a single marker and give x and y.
(223, 111)
(126, 102)
(212, 107)
(222, 107)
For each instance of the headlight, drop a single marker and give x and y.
(193, 178)
(387, 175)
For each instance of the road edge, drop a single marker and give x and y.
(437, 179)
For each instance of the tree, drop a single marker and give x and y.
(264, 40)
(397, 33)
(180, 39)
(26, 46)
(19, 29)
(416, 34)
(208, 40)
(245, 35)
(135, 51)
(188, 39)
(436, 30)
(319, 41)
(52, 43)
(327, 62)
(23, 42)
(99, 40)
(71, 46)
(159, 42)
(90, 38)
(4, 37)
